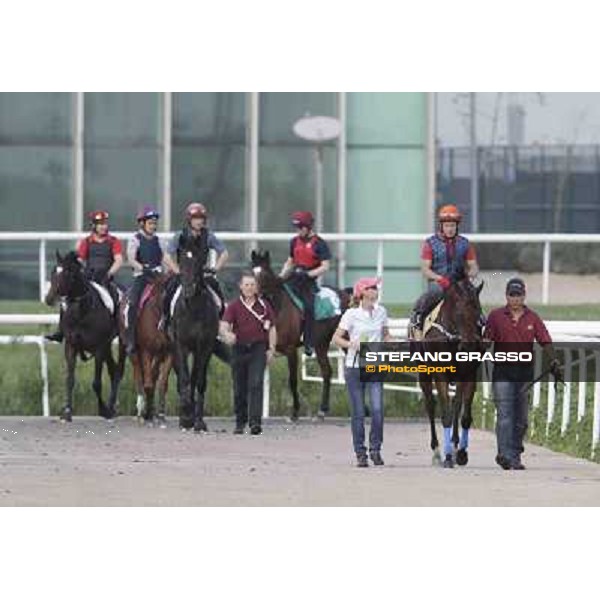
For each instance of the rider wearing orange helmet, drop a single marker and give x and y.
(447, 257)
(196, 218)
(309, 258)
(102, 254)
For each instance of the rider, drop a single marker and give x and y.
(103, 257)
(447, 258)
(196, 217)
(309, 258)
(147, 254)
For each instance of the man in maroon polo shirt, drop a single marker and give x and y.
(514, 328)
(249, 326)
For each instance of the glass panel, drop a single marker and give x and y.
(35, 119)
(122, 119)
(279, 111)
(209, 134)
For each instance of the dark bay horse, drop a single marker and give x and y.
(153, 360)
(457, 327)
(89, 327)
(195, 326)
(289, 329)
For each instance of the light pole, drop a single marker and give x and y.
(318, 130)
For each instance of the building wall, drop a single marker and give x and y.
(123, 149)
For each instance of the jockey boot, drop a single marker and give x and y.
(214, 284)
(58, 336)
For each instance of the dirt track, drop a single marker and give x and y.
(88, 464)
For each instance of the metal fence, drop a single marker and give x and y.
(380, 240)
(526, 188)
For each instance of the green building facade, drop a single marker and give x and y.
(65, 154)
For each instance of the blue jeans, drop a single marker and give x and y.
(356, 395)
(512, 410)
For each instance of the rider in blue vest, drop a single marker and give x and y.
(447, 258)
(147, 254)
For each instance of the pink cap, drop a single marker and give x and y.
(364, 283)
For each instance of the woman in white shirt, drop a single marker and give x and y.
(367, 323)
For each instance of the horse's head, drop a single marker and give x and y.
(192, 261)
(260, 262)
(464, 310)
(66, 279)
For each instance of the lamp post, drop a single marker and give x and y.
(318, 131)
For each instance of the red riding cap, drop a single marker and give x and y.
(98, 216)
(302, 219)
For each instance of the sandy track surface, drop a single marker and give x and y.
(89, 464)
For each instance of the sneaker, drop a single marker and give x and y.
(255, 430)
(503, 462)
(239, 430)
(517, 466)
(362, 461)
(376, 458)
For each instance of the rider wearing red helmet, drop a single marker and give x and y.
(309, 258)
(103, 256)
(447, 257)
(147, 254)
(196, 218)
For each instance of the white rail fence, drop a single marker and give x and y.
(561, 331)
(380, 240)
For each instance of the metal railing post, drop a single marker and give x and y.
(42, 269)
(546, 274)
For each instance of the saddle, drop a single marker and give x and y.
(417, 335)
(327, 302)
(106, 297)
(177, 293)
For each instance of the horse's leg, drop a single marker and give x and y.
(462, 456)
(201, 362)
(427, 388)
(97, 383)
(163, 386)
(186, 415)
(150, 375)
(456, 412)
(326, 372)
(447, 414)
(292, 358)
(115, 380)
(71, 359)
(139, 386)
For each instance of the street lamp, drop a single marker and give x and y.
(318, 131)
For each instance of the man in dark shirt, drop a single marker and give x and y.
(249, 325)
(515, 327)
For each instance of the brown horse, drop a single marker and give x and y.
(457, 327)
(289, 330)
(154, 357)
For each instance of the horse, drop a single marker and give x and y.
(457, 327)
(153, 360)
(89, 327)
(194, 329)
(289, 330)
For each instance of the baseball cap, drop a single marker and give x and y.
(515, 287)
